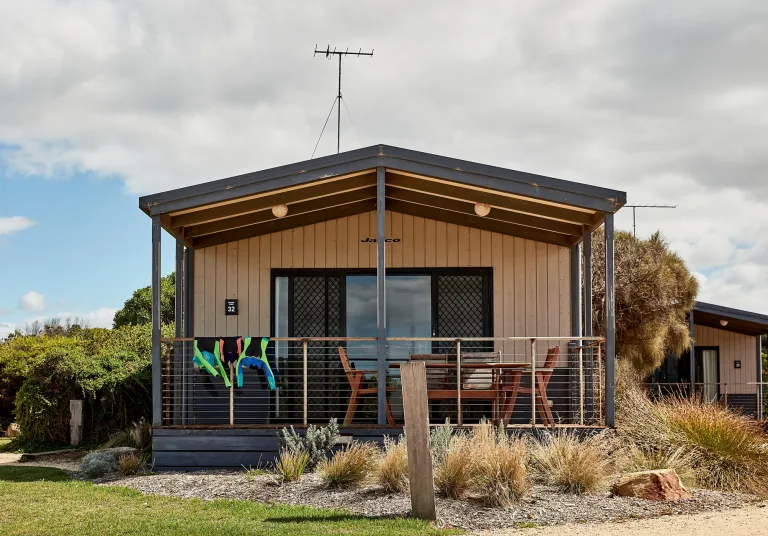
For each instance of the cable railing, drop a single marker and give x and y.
(516, 381)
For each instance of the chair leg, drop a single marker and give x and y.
(546, 410)
(390, 417)
(351, 408)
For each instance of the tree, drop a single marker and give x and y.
(137, 309)
(654, 292)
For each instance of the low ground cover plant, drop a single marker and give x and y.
(317, 441)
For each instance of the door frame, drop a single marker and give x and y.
(486, 272)
(699, 358)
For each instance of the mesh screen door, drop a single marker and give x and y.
(462, 310)
(315, 310)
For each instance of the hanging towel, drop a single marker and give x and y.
(208, 357)
(259, 353)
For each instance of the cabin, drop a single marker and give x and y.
(724, 363)
(334, 271)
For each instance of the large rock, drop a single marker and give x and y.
(657, 485)
(14, 430)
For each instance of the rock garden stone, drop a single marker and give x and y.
(657, 485)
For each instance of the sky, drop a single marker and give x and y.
(105, 101)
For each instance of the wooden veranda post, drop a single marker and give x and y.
(610, 325)
(381, 308)
(416, 411)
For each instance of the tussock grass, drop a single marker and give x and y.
(643, 459)
(570, 464)
(290, 465)
(727, 450)
(392, 473)
(501, 475)
(130, 464)
(455, 475)
(350, 467)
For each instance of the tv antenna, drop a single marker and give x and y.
(634, 220)
(337, 101)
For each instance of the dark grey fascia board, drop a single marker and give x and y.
(265, 184)
(616, 198)
(730, 313)
(481, 175)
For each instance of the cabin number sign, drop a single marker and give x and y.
(230, 306)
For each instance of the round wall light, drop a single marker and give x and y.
(481, 209)
(723, 323)
(280, 211)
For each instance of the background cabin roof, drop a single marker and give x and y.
(739, 321)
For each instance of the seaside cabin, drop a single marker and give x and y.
(333, 271)
(724, 363)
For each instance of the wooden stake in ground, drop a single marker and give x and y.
(75, 422)
(414, 381)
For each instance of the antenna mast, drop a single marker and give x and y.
(329, 54)
(633, 207)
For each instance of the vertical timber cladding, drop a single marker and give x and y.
(733, 346)
(531, 280)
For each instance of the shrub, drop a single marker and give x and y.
(350, 467)
(120, 438)
(97, 464)
(570, 464)
(317, 442)
(291, 465)
(727, 450)
(130, 464)
(501, 475)
(392, 474)
(455, 474)
(440, 441)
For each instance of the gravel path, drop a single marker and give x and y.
(749, 521)
(543, 507)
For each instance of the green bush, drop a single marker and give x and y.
(109, 369)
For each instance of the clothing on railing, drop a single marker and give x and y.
(214, 354)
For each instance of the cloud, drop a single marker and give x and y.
(6, 328)
(14, 224)
(32, 301)
(664, 100)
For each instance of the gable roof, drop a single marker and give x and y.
(422, 184)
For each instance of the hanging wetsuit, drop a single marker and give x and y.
(208, 357)
(259, 353)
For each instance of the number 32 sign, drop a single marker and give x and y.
(230, 306)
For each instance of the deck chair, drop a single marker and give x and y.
(356, 380)
(511, 388)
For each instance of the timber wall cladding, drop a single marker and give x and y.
(531, 280)
(732, 346)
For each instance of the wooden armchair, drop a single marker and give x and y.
(356, 380)
(511, 388)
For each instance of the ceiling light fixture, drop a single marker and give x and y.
(280, 211)
(481, 209)
(723, 323)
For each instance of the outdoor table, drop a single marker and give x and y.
(499, 371)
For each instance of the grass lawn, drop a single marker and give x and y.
(43, 501)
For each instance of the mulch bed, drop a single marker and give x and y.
(544, 506)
